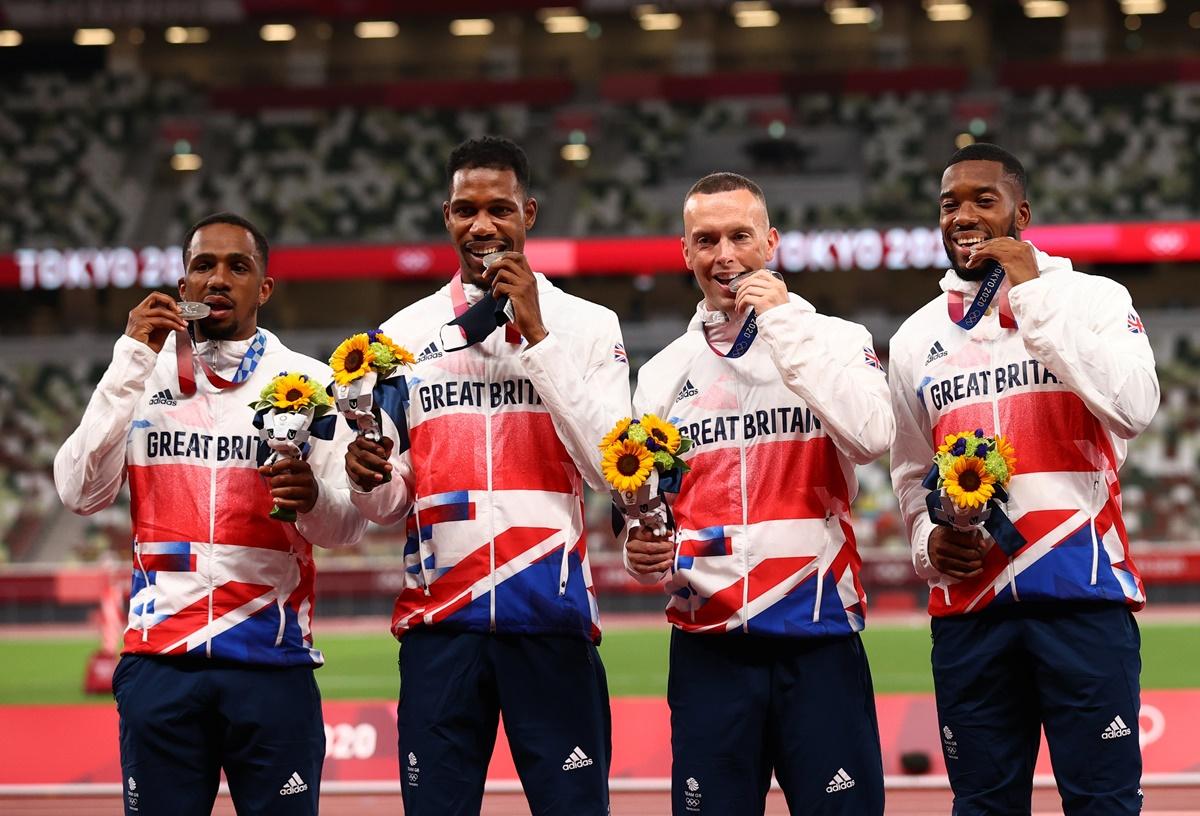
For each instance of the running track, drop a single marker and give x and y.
(1162, 801)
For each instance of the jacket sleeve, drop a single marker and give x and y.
(1083, 335)
(644, 402)
(89, 468)
(824, 362)
(390, 502)
(585, 398)
(912, 456)
(334, 521)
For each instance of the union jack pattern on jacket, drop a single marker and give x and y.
(213, 576)
(1067, 387)
(764, 540)
(502, 436)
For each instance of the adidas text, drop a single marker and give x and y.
(294, 785)
(841, 781)
(1116, 729)
(164, 397)
(577, 759)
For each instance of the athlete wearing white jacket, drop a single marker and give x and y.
(765, 543)
(217, 666)
(767, 671)
(1068, 386)
(1041, 638)
(497, 616)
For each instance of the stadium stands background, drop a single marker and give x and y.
(333, 140)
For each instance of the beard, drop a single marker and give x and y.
(979, 272)
(209, 330)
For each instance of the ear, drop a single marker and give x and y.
(181, 295)
(265, 289)
(683, 247)
(446, 214)
(531, 207)
(1024, 215)
(772, 243)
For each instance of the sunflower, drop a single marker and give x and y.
(1005, 449)
(969, 483)
(388, 354)
(950, 440)
(292, 391)
(664, 433)
(627, 465)
(352, 359)
(615, 434)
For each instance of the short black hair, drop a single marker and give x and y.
(493, 152)
(260, 240)
(983, 151)
(725, 182)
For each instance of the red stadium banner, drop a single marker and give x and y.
(799, 251)
(78, 743)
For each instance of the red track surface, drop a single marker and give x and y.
(1175, 801)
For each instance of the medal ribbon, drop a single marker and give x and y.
(186, 355)
(983, 299)
(458, 298)
(741, 343)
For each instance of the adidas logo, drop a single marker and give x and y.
(688, 390)
(294, 785)
(936, 352)
(841, 781)
(1116, 729)
(428, 353)
(164, 397)
(578, 759)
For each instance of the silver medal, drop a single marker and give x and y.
(193, 310)
(491, 258)
(737, 280)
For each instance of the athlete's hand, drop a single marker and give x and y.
(1017, 258)
(152, 320)
(649, 553)
(956, 553)
(511, 275)
(367, 462)
(760, 292)
(292, 484)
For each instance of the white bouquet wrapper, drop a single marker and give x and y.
(960, 518)
(355, 402)
(285, 433)
(644, 504)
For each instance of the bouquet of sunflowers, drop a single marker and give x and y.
(284, 414)
(641, 461)
(358, 363)
(970, 474)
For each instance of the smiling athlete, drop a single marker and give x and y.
(1021, 345)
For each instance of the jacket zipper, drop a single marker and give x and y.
(212, 510)
(745, 517)
(487, 429)
(1010, 568)
(826, 546)
(137, 553)
(1092, 527)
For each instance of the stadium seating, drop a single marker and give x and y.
(363, 171)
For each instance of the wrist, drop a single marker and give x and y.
(535, 335)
